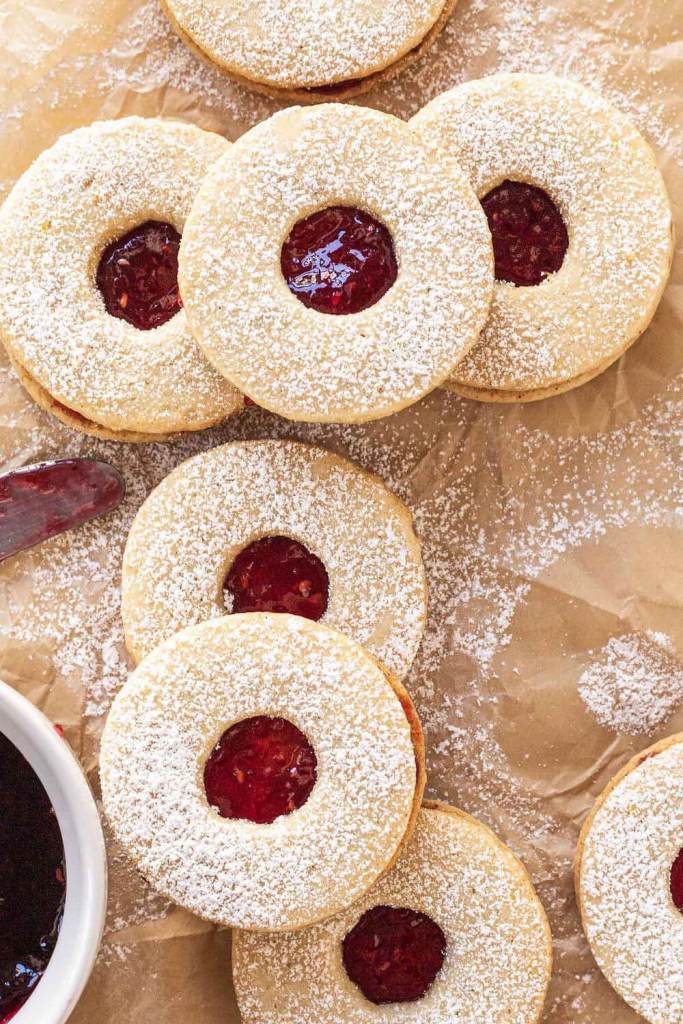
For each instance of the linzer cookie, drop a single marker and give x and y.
(629, 882)
(581, 226)
(275, 526)
(262, 770)
(297, 50)
(455, 932)
(90, 311)
(332, 268)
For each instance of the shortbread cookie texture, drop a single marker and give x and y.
(581, 222)
(273, 222)
(262, 770)
(283, 46)
(629, 882)
(217, 534)
(346, 89)
(90, 311)
(455, 932)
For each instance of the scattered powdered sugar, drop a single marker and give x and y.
(634, 683)
(496, 503)
(500, 495)
(306, 865)
(497, 961)
(147, 54)
(609, 49)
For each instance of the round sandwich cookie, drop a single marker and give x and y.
(90, 311)
(581, 224)
(455, 932)
(275, 526)
(262, 770)
(629, 882)
(332, 268)
(309, 52)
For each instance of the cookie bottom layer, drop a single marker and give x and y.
(335, 91)
(74, 420)
(533, 394)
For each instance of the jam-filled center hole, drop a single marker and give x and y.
(394, 954)
(529, 235)
(339, 260)
(138, 275)
(676, 881)
(260, 769)
(277, 574)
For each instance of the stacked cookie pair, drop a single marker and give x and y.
(336, 264)
(295, 50)
(264, 765)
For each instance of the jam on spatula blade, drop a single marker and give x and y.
(38, 502)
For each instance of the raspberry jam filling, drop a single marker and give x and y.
(260, 769)
(677, 882)
(339, 260)
(332, 88)
(32, 880)
(277, 574)
(394, 954)
(37, 502)
(138, 275)
(529, 235)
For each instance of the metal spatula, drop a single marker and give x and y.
(42, 500)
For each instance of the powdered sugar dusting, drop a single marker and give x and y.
(634, 929)
(635, 682)
(501, 496)
(89, 189)
(497, 956)
(187, 534)
(306, 865)
(558, 136)
(297, 43)
(335, 368)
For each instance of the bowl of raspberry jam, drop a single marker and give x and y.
(52, 869)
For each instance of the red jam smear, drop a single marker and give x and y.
(260, 769)
(334, 87)
(138, 275)
(277, 574)
(394, 954)
(339, 260)
(677, 882)
(529, 235)
(32, 880)
(40, 501)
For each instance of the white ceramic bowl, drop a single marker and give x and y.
(86, 866)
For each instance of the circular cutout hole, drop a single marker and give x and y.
(676, 882)
(138, 275)
(529, 235)
(261, 769)
(32, 879)
(394, 954)
(278, 574)
(339, 260)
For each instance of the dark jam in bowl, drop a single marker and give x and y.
(32, 880)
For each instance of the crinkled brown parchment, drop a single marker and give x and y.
(550, 530)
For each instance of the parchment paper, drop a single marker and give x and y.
(550, 531)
